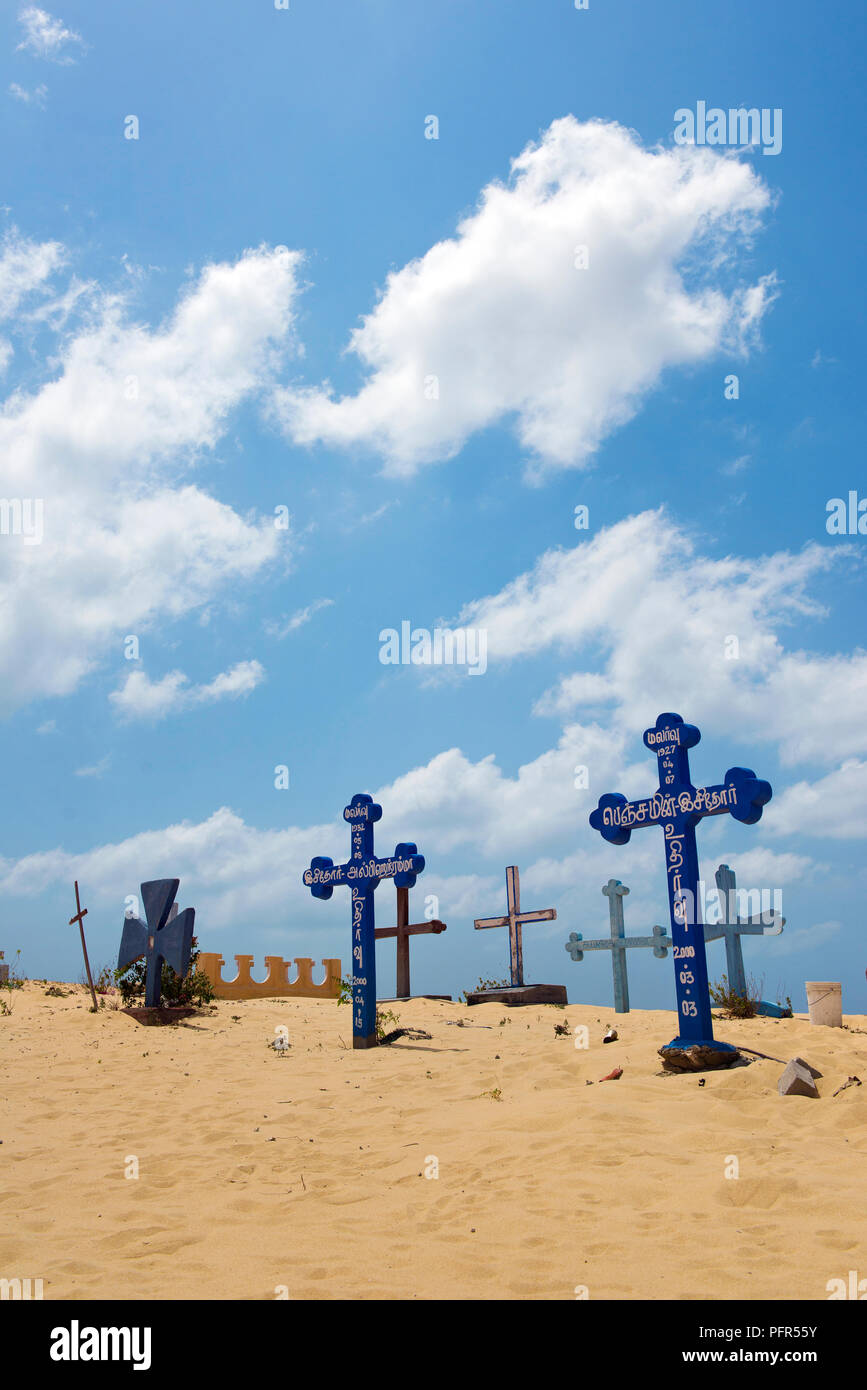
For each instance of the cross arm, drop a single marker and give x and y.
(323, 876)
(543, 914)
(481, 923)
(417, 929)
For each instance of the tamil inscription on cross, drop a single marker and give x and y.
(677, 807)
(618, 943)
(731, 927)
(362, 874)
(514, 920)
(167, 935)
(403, 931)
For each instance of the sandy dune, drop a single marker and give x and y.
(306, 1171)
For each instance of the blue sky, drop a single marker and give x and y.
(283, 295)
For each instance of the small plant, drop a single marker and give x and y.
(194, 989)
(103, 981)
(561, 1030)
(485, 985)
(55, 992)
(732, 1004)
(344, 995)
(15, 980)
(495, 1094)
(384, 1017)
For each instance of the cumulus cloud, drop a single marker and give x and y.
(105, 444)
(672, 628)
(500, 322)
(141, 698)
(47, 37)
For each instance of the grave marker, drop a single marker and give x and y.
(615, 891)
(677, 807)
(80, 914)
(168, 936)
(362, 874)
(515, 919)
(732, 927)
(403, 931)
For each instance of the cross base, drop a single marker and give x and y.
(408, 998)
(161, 1014)
(767, 1010)
(697, 1054)
(370, 1041)
(516, 995)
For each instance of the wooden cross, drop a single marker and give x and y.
(80, 914)
(615, 892)
(514, 919)
(403, 931)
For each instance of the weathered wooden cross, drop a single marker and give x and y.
(403, 931)
(678, 806)
(362, 873)
(168, 936)
(514, 920)
(80, 914)
(732, 927)
(615, 891)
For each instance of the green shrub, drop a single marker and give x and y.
(194, 989)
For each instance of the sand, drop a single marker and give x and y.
(304, 1175)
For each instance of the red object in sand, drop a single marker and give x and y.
(614, 1075)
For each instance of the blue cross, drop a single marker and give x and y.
(362, 873)
(166, 935)
(732, 927)
(617, 944)
(678, 807)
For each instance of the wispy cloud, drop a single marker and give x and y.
(34, 98)
(97, 770)
(303, 615)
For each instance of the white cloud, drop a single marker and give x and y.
(660, 617)
(34, 98)
(511, 329)
(831, 807)
(105, 444)
(141, 698)
(47, 37)
(25, 267)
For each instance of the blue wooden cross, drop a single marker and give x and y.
(362, 873)
(168, 936)
(678, 807)
(732, 927)
(618, 943)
